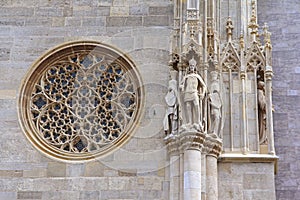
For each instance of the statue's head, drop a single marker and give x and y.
(192, 64)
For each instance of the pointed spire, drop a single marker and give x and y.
(253, 22)
(267, 36)
(229, 29)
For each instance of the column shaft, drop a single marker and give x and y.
(211, 178)
(192, 174)
(174, 177)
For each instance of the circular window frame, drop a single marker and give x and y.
(41, 65)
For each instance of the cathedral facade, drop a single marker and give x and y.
(136, 99)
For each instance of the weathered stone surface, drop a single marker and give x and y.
(140, 29)
(124, 21)
(56, 169)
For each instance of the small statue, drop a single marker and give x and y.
(215, 102)
(171, 118)
(261, 112)
(194, 89)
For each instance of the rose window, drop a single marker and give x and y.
(80, 101)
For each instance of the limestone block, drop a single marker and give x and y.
(38, 21)
(258, 181)
(124, 21)
(8, 195)
(162, 20)
(73, 21)
(119, 11)
(29, 195)
(127, 172)
(94, 21)
(124, 2)
(4, 54)
(16, 11)
(75, 170)
(124, 43)
(66, 195)
(160, 10)
(105, 3)
(11, 173)
(35, 173)
(49, 11)
(139, 9)
(56, 169)
(258, 195)
(8, 94)
(156, 42)
(5, 31)
(91, 195)
(94, 169)
(122, 183)
(110, 172)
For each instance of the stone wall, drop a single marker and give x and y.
(246, 181)
(283, 19)
(138, 28)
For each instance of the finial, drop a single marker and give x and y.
(267, 36)
(253, 24)
(242, 41)
(229, 28)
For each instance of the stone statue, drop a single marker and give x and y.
(194, 89)
(215, 103)
(171, 118)
(261, 112)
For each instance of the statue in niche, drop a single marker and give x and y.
(171, 117)
(261, 112)
(193, 88)
(215, 103)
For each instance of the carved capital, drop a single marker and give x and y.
(172, 145)
(191, 140)
(243, 75)
(269, 73)
(213, 145)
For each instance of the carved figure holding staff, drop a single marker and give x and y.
(193, 88)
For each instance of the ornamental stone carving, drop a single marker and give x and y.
(80, 100)
(261, 112)
(216, 104)
(193, 91)
(171, 117)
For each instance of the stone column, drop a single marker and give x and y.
(191, 144)
(244, 114)
(269, 110)
(213, 147)
(174, 190)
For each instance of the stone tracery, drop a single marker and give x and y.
(83, 101)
